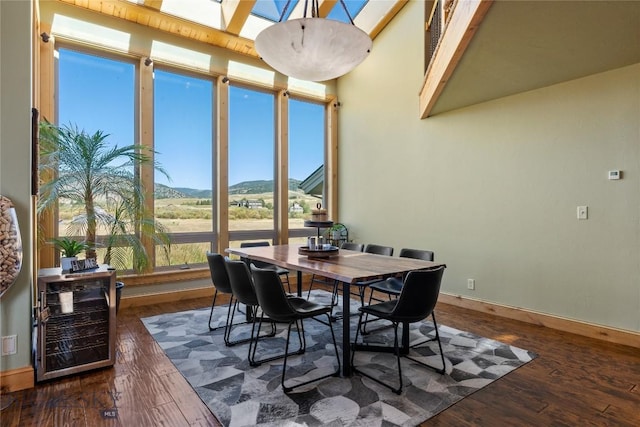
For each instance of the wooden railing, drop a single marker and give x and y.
(434, 31)
(449, 29)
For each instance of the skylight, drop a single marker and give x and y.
(353, 6)
(272, 9)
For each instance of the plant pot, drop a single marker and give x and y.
(119, 286)
(65, 262)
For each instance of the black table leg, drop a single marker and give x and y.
(346, 330)
(299, 280)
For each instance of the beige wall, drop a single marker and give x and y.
(493, 188)
(15, 166)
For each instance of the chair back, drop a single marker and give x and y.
(379, 250)
(419, 295)
(241, 282)
(352, 246)
(417, 254)
(271, 296)
(218, 272)
(260, 264)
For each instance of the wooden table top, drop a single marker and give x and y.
(347, 266)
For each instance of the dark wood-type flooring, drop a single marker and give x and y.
(575, 381)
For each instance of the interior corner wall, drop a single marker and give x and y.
(15, 167)
(493, 188)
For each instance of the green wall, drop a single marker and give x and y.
(493, 188)
(15, 166)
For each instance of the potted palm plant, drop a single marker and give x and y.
(69, 250)
(98, 178)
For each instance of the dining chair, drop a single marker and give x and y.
(220, 281)
(282, 272)
(415, 303)
(243, 293)
(350, 246)
(393, 287)
(278, 307)
(377, 250)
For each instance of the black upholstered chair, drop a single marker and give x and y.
(377, 250)
(415, 303)
(282, 272)
(350, 246)
(278, 307)
(243, 293)
(220, 281)
(393, 287)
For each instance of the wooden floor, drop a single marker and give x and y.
(575, 381)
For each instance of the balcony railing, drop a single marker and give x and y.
(449, 28)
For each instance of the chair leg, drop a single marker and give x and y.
(313, 277)
(396, 348)
(437, 338)
(288, 283)
(366, 317)
(215, 295)
(284, 365)
(435, 325)
(227, 337)
(253, 345)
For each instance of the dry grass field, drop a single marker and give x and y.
(193, 215)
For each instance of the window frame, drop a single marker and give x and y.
(218, 240)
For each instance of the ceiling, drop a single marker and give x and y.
(525, 45)
(519, 46)
(234, 24)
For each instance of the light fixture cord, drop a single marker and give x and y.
(315, 10)
(344, 6)
(284, 10)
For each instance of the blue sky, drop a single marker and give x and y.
(98, 94)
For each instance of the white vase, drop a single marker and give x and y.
(65, 262)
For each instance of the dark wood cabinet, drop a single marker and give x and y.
(75, 322)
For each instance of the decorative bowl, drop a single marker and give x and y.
(318, 253)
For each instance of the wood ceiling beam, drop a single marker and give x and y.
(153, 18)
(387, 18)
(324, 7)
(235, 14)
(153, 4)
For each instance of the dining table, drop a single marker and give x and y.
(345, 266)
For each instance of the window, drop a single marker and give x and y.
(251, 163)
(95, 93)
(99, 92)
(183, 141)
(306, 160)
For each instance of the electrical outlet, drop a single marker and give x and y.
(471, 284)
(9, 345)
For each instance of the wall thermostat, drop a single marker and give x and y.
(615, 174)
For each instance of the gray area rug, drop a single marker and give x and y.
(241, 395)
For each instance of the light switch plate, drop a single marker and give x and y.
(583, 212)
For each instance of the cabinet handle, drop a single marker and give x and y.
(106, 297)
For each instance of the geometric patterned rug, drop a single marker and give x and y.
(241, 395)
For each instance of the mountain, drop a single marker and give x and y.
(246, 187)
(257, 187)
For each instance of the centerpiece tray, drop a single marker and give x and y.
(318, 253)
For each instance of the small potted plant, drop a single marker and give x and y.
(69, 250)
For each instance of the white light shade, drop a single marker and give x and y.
(314, 49)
